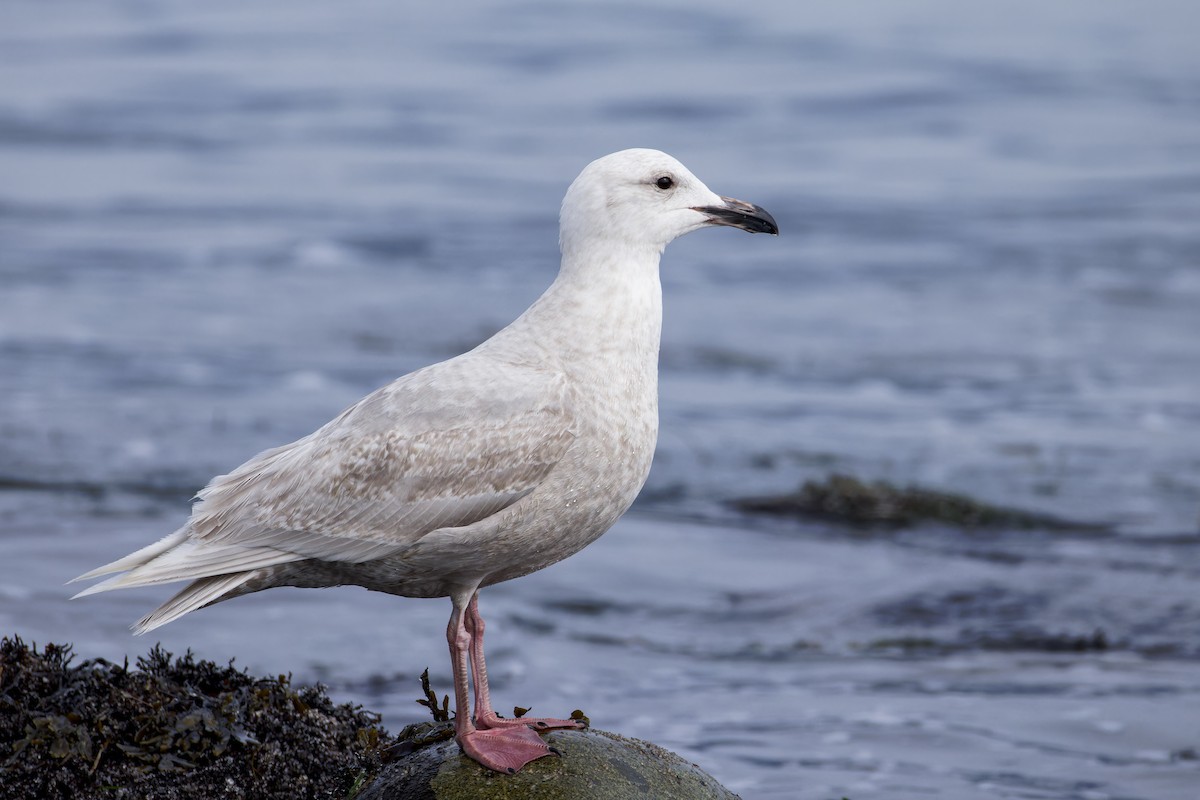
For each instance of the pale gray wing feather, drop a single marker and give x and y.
(442, 447)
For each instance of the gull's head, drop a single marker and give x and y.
(645, 199)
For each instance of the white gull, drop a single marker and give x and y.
(476, 470)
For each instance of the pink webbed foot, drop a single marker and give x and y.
(503, 745)
(504, 749)
(489, 721)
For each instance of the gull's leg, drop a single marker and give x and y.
(485, 717)
(503, 749)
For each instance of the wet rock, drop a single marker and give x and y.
(1031, 639)
(842, 498)
(990, 603)
(594, 765)
(985, 617)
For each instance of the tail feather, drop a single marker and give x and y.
(137, 558)
(192, 561)
(196, 595)
(216, 573)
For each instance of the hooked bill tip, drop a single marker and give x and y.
(740, 214)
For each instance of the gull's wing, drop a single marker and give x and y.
(442, 447)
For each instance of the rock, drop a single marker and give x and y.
(594, 764)
(174, 728)
(842, 498)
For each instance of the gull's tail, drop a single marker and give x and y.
(135, 559)
(218, 572)
(197, 594)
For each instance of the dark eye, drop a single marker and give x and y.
(665, 182)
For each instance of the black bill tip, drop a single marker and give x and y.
(740, 214)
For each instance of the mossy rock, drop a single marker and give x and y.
(594, 764)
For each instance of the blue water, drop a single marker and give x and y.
(221, 223)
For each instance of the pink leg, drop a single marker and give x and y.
(485, 716)
(502, 749)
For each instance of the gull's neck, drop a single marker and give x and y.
(604, 306)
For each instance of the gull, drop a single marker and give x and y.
(476, 470)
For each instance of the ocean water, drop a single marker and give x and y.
(220, 224)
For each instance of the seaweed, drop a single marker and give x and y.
(172, 728)
(846, 499)
(440, 713)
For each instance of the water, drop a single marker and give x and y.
(222, 223)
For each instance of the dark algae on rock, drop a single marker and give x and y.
(171, 728)
(842, 498)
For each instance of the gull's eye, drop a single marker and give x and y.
(665, 182)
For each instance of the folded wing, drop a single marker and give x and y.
(442, 447)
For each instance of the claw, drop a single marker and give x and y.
(493, 722)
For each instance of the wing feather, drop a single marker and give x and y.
(442, 447)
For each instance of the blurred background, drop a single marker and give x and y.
(221, 223)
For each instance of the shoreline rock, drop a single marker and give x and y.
(848, 500)
(594, 764)
(179, 728)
